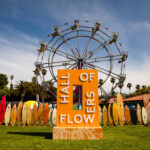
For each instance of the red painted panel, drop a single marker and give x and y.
(2, 109)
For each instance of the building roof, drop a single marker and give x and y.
(108, 102)
(137, 98)
(111, 100)
(102, 100)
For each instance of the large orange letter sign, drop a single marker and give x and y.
(83, 123)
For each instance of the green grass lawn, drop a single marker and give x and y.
(40, 138)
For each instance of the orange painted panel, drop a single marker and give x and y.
(89, 115)
(78, 133)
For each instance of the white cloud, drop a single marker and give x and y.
(140, 26)
(138, 72)
(18, 50)
(17, 54)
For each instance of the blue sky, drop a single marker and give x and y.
(24, 23)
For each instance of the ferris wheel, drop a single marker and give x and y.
(83, 45)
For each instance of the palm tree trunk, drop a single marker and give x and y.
(52, 93)
(112, 85)
(42, 97)
(37, 97)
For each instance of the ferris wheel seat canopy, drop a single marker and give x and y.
(122, 77)
(42, 49)
(76, 25)
(57, 31)
(124, 55)
(97, 24)
(114, 37)
(55, 34)
(37, 63)
(56, 28)
(42, 43)
(76, 21)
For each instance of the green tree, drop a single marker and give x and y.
(3, 81)
(36, 72)
(34, 79)
(129, 85)
(4, 91)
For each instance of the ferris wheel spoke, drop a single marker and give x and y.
(118, 48)
(78, 43)
(95, 61)
(57, 65)
(73, 65)
(63, 62)
(105, 34)
(104, 58)
(85, 66)
(68, 45)
(100, 47)
(61, 53)
(108, 72)
(93, 67)
(87, 46)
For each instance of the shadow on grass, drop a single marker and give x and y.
(47, 135)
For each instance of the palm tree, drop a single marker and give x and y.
(44, 71)
(121, 86)
(11, 77)
(144, 86)
(11, 85)
(36, 72)
(101, 82)
(137, 87)
(129, 85)
(34, 79)
(112, 80)
(22, 90)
